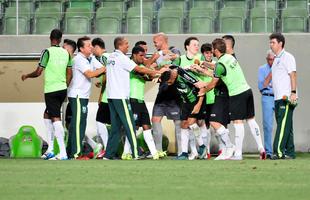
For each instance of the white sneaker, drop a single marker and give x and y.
(229, 152)
(192, 156)
(236, 157)
(226, 154)
(58, 157)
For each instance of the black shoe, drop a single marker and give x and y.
(276, 157)
(269, 156)
(289, 157)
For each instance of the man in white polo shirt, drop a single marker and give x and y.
(85, 67)
(284, 85)
(118, 90)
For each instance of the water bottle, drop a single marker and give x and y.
(287, 99)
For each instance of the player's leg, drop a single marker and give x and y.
(255, 130)
(54, 112)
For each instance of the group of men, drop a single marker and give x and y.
(199, 94)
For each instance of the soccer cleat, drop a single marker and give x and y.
(262, 154)
(162, 154)
(219, 152)
(127, 156)
(202, 151)
(48, 155)
(208, 156)
(100, 154)
(82, 158)
(226, 154)
(58, 157)
(156, 156)
(97, 150)
(193, 156)
(236, 157)
(183, 156)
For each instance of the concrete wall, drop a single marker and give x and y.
(250, 50)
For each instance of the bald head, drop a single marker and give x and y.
(160, 41)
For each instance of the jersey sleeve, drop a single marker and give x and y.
(96, 63)
(128, 64)
(290, 64)
(44, 58)
(219, 70)
(177, 61)
(70, 62)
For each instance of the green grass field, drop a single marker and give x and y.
(164, 179)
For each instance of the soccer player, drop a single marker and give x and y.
(168, 99)
(241, 102)
(140, 112)
(190, 106)
(218, 109)
(70, 46)
(57, 63)
(118, 92)
(85, 67)
(185, 61)
(103, 113)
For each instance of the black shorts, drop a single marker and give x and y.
(242, 106)
(170, 109)
(140, 113)
(53, 102)
(103, 113)
(187, 108)
(220, 111)
(208, 113)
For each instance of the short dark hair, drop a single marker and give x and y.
(188, 40)
(99, 42)
(231, 38)
(206, 47)
(80, 42)
(137, 49)
(140, 43)
(279, 37)
(71, 43)
(219, 44)
(56, 34)
(118, 41)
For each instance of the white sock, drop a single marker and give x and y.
(148, 137)
(127, 147)
(220, 142)
(59, 134)
(50, 134)
(239, 135)
(196, 130)
(256, 133)
(102, 132)
(91, 142)
(224, 135)
(192, 143)
(204, 134)
(177, 124)
(158, 135)
(184, 139)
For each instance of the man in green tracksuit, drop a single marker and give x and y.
(118, 90)
(57, 63)
(85, 67)
(241, 101)
(284, 84)
(139, 109)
